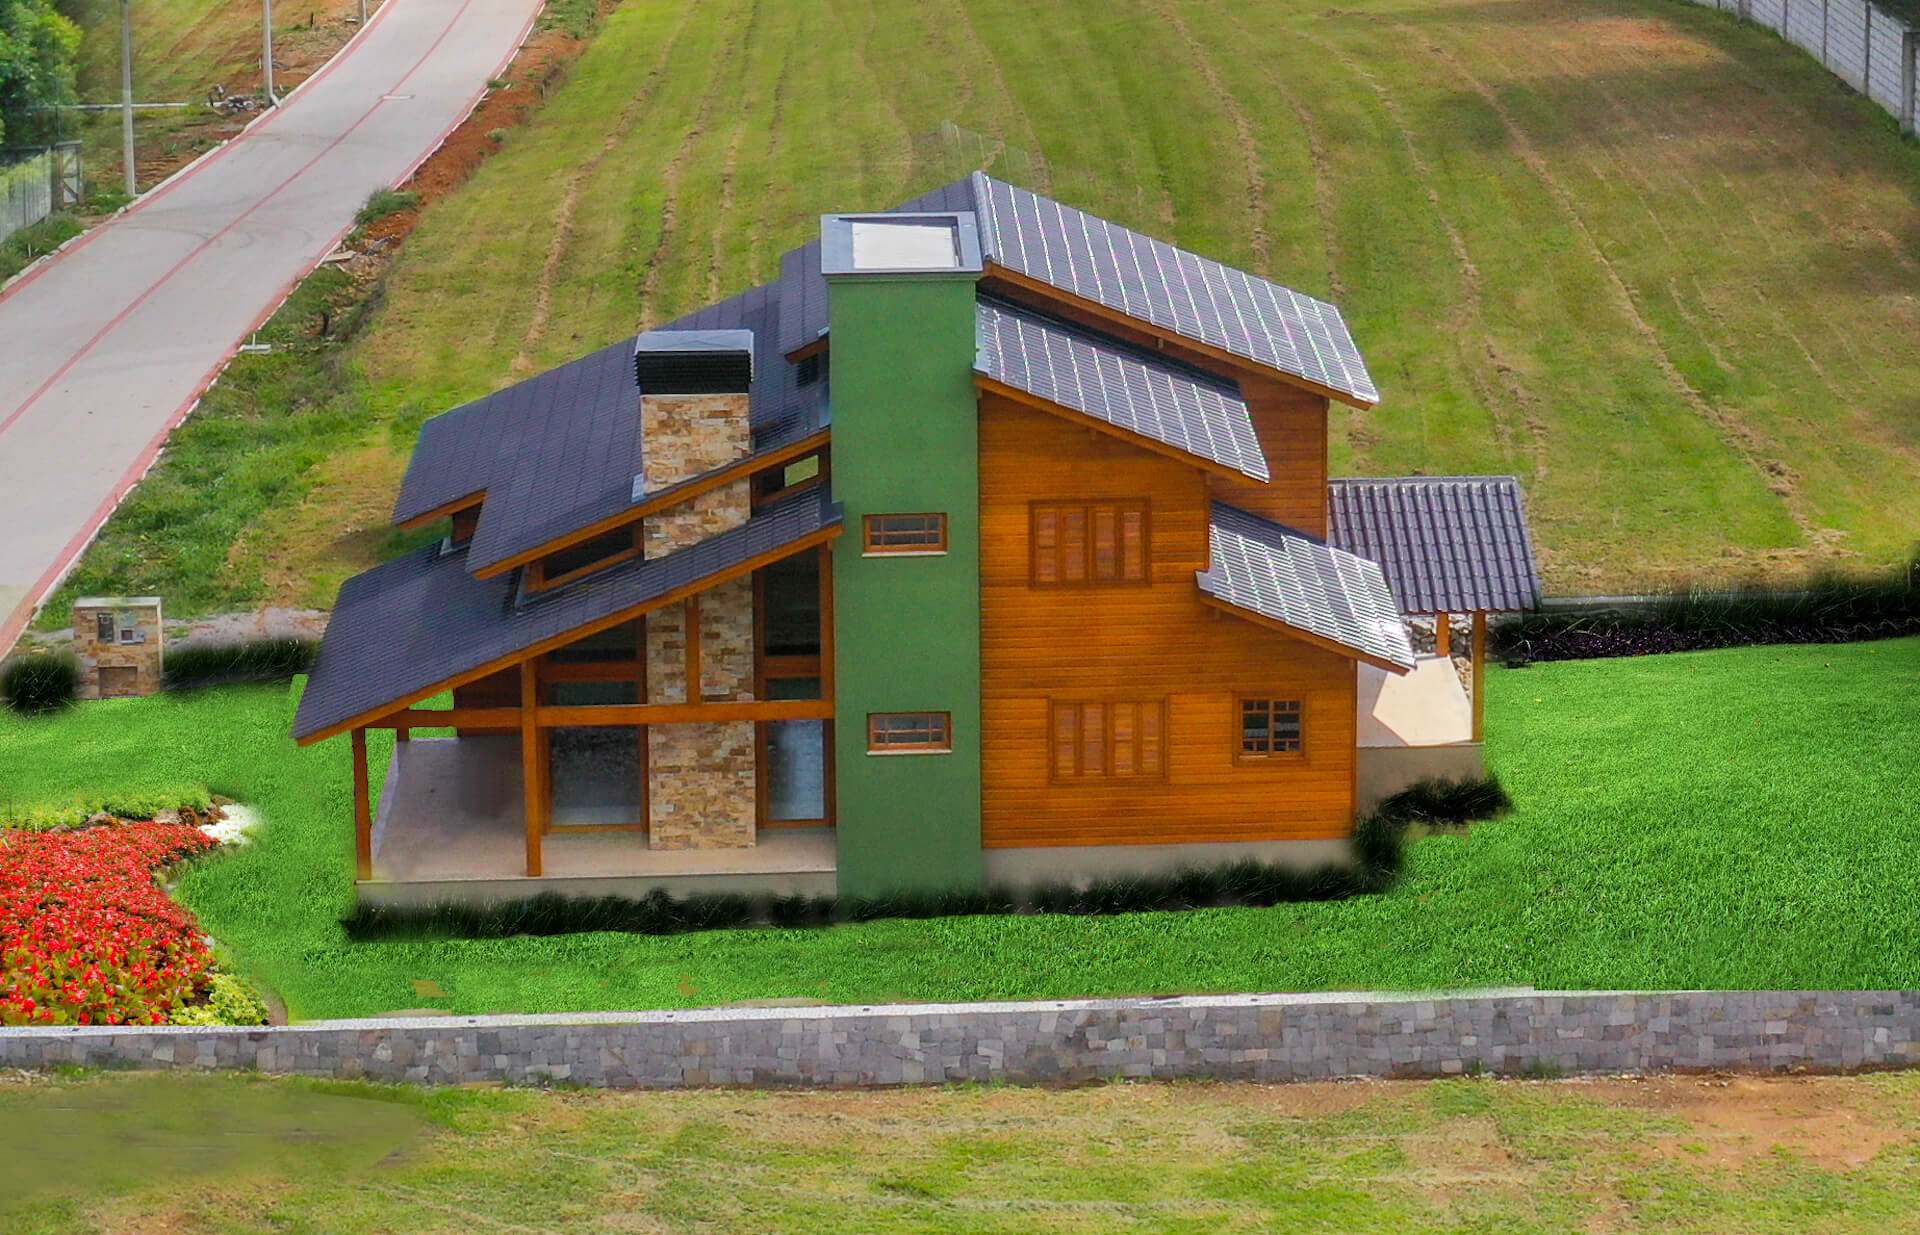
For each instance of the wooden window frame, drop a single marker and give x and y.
(868, 547)
(942, 745)
(538, 580)
(1106, 775)
(1240, 752)
(1088, 507)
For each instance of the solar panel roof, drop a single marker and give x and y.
(1109, 381)
(1447, 544)
(1287, 577)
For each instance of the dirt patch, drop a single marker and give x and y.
(1739, 1118)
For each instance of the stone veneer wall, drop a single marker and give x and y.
(701, 779)
(1226, 1037)
(93, 654)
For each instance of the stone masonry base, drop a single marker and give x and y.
(1231, 1037)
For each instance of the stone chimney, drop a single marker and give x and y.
(693, 419)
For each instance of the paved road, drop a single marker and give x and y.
(104, 349)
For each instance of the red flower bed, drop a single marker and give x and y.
(86, 935)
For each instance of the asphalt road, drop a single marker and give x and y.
(105, 348)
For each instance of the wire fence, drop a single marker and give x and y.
(1868, 46)
(36, 182)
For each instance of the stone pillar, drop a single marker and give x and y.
(701, 783)
(117, 640)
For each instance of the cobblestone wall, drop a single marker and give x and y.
(1252, 1037)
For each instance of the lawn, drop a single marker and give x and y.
(130, 1154)
(1732, 819)
(1656, 262)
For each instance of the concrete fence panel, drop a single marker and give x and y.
(1865, 46)
(1224, 1037)
(26, 192)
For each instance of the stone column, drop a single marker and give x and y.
(700, 777)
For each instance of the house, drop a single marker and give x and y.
(991, 542)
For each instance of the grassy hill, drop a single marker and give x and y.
(1656, 262)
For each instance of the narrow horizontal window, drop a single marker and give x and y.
(924, 533)
(1089, 542)
(897, 732)
(1271, 727)
(1119, 740)
(586, 556)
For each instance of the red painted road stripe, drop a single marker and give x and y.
(194, 168)
(210, 241)
(16, 622)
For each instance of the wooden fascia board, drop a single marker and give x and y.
(654, 503)
(1305, 636)
(608, 714)
(805, 350)
(1094, 309)
(673, 597)
(1016, 395)
(444, 509)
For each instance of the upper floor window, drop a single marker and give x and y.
(584, 557)
(1271, 727)
(1109, 740)
(922, 533)
(894, 733)
(1090, 542)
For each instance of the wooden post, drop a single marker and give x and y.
(532, 774)
(362, 808)
(402, 734)
(1443, 634)
(693, 648)
(1479, 674)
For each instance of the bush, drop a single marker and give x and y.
(35, 685)
(260, 660)
(382, 203)
(46, 815)
(230, 1000)
(1441, 803)
(1830, 610)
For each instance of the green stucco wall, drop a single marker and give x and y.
(906, 629)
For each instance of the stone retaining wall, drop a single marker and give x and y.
(1237, 1037)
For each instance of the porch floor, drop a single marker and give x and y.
(453, 811)
(1427, 707)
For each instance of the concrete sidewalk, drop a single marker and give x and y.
(105, 348)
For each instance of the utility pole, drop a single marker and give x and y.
(266, 52)
(126, 92)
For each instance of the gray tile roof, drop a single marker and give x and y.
(1451, 544)
(1192, 296)
(1110, 381)
(422, 619)
(1276, 572)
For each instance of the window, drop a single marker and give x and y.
(1124, 740)
(919, 534)
(808, 369)
(789, 478)
(589, 555)
(909, 732)
(103, 627)
(1090, 542)
(1270, 727)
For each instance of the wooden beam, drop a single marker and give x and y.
(446, 718)
(444, 509)
(671, 597)
(1479, 674)
(683, 713)
(362, 808)
(692, 619)
(1099, 426)
(532, 775)
(653, 503)
(1125, 323)
(1305, 636)
(1443, 634)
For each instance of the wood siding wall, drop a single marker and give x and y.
(496, 690)
(1125, 641)
(1292, 424)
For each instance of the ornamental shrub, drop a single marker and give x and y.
(36, 685)
(86, 935)
(221, 664)
(231, 1000)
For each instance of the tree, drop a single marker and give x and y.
(37, 51)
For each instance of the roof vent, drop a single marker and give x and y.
(693, 362)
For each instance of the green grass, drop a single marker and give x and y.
(131, 1154)
(22, 248)
(1730, 819)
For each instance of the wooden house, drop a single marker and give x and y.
(991, 542)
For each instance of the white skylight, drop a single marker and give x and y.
(916, 244)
